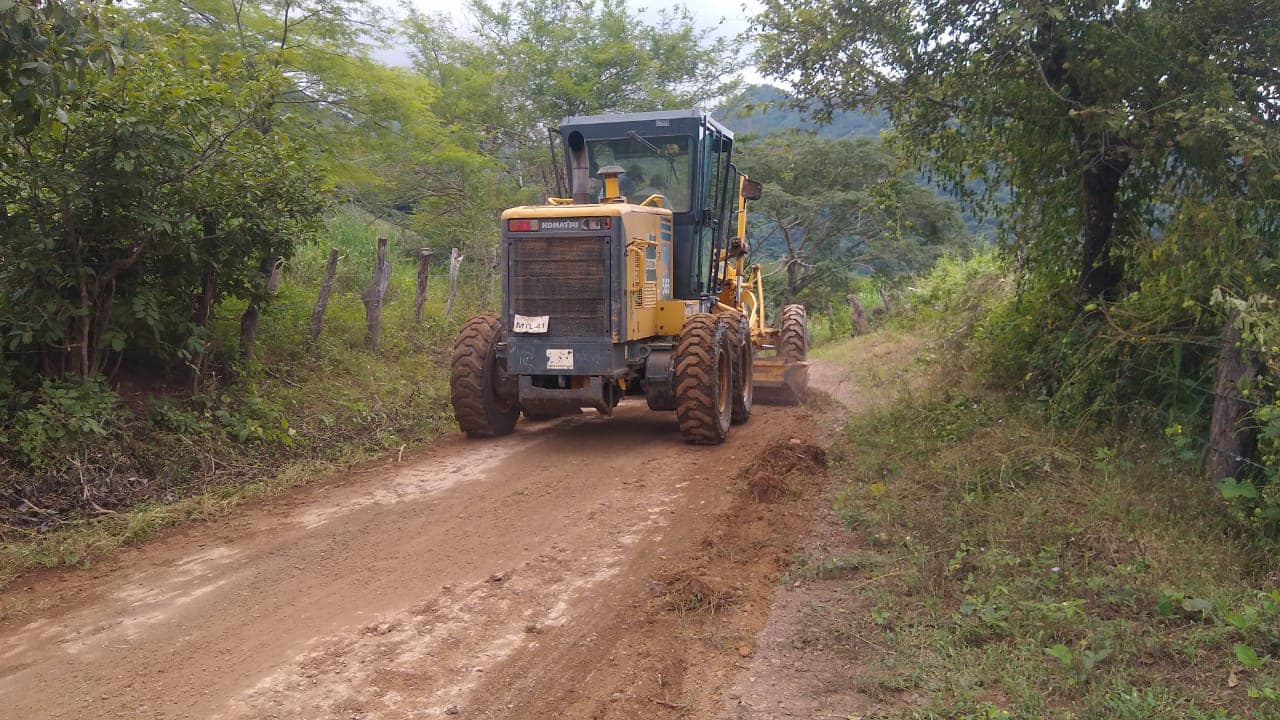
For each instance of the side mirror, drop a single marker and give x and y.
(752, 189)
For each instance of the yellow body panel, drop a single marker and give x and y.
(646, 284)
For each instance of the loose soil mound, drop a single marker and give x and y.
(781, 467)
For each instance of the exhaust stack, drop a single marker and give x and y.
(580, 167)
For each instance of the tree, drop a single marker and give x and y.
(167, 188)
(556, 59)
(1097, 115)
(836, 207)
(372, 125)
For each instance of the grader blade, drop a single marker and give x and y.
(778, 382)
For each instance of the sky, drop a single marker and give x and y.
(727, 18)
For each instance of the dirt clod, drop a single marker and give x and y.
(687, 592)
(778, 470)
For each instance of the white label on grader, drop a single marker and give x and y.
(559, 359)
(536, 324)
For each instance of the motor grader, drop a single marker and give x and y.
(636, 284)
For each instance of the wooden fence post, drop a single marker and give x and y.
(1233, 437)
(455, 260)
(275, 277)
(373, 295)
(420, 297)
(322, 299)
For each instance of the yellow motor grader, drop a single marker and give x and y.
(636, 284)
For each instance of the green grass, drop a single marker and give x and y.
(295, 415)
(1011, 568)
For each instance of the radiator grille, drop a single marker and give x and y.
(564, 278)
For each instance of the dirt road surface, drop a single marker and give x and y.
(580, 568)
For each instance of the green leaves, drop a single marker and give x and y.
(48, 47)
(1034, 99)
(170, 174)
(1079, 664)
(1233, 489)
(834, 207)
(1062, 653)
(1249, 658)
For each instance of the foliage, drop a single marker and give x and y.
(1139, 144)
(1255, 499)
(373, 124)
(836, 207)
(64, 420)
(556, 59)
(170, 176)
(156, 457)
(1100, 117)
(46, 50)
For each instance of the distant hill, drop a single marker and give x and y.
(763, 110)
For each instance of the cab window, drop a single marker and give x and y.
(661, 165)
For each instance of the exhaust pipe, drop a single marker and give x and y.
(580, 167)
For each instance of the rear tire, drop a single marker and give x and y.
(739, 329)
(483, 403)
(704, 380)
(793, 337)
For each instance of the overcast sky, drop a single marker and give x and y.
(727, 18)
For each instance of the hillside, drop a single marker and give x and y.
(762, 110)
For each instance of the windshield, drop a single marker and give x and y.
(654, 166)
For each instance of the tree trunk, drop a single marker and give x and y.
(249, 320)
(857, 316)
(1233, 436)
(884, 300)
(204, 313)
(420, 297)
(373, 295)
(1100, 274)
(249, 331)
(322, 299)
(455, 262)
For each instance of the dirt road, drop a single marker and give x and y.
(586, 567)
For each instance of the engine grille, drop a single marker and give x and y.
(564, 278)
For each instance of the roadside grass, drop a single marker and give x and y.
(1011, 568)
(294, 415)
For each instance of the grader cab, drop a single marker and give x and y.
(636, 284)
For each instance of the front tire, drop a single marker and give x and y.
(743, 368)
(482, 400)
(704, 380)
(793, 337)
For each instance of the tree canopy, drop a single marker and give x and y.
(1099, 116)
(834, 208)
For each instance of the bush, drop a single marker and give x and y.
(63, 420)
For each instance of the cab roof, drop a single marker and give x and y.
(677, 119)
